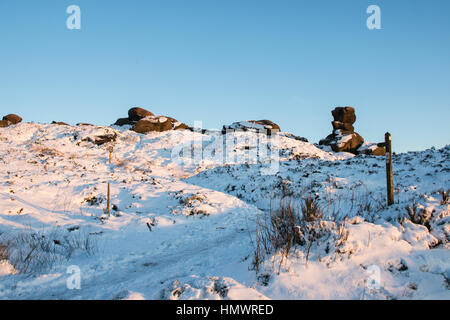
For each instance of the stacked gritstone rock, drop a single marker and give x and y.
(344, 137)
(10, 119)
(144, 121)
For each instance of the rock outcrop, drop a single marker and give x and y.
(13, 118)
(344, 115)
(144, 121)
(159, 124)
(343, 137)
(261, 126)
(10, 119)
(60, 123)
(136, 114)
(372, 149)
(148, 124)
(123, 121)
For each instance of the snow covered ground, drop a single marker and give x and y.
(184, 226)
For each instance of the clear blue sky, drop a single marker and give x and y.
(221, 61)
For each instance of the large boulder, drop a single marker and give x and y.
(153, 124)
(344, 114)
(143, 121)
(176, 125)
(269, 125)
(4, 123)
(373, 149)
(136, 114)
(340, 141)
(13, 118)
(343, 137)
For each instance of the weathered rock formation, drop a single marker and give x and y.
(123, 121)
(136, 114)
(158, 124)
(343, 137)
(10, 119)
(13, 118)
(266, 126)
(372, 149)
(144, 121)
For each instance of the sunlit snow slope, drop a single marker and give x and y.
(183, 227)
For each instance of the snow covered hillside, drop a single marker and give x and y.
(184, 225)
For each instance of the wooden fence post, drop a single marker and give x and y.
(108, 202)
(389, 178)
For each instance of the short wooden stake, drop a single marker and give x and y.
(389, 178)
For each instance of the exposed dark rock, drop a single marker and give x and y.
(340, 141)
(60, 123)
(343, 126)
(177, 125)
(144, 121)
(136, 114)
(4, 123)
(344, 114)
(208, 131)
(373, 149)
(13, 118)
(100, 140)
(269, 125)
(123, 121)
(181, 126)
(343, 137)
(152, 123)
